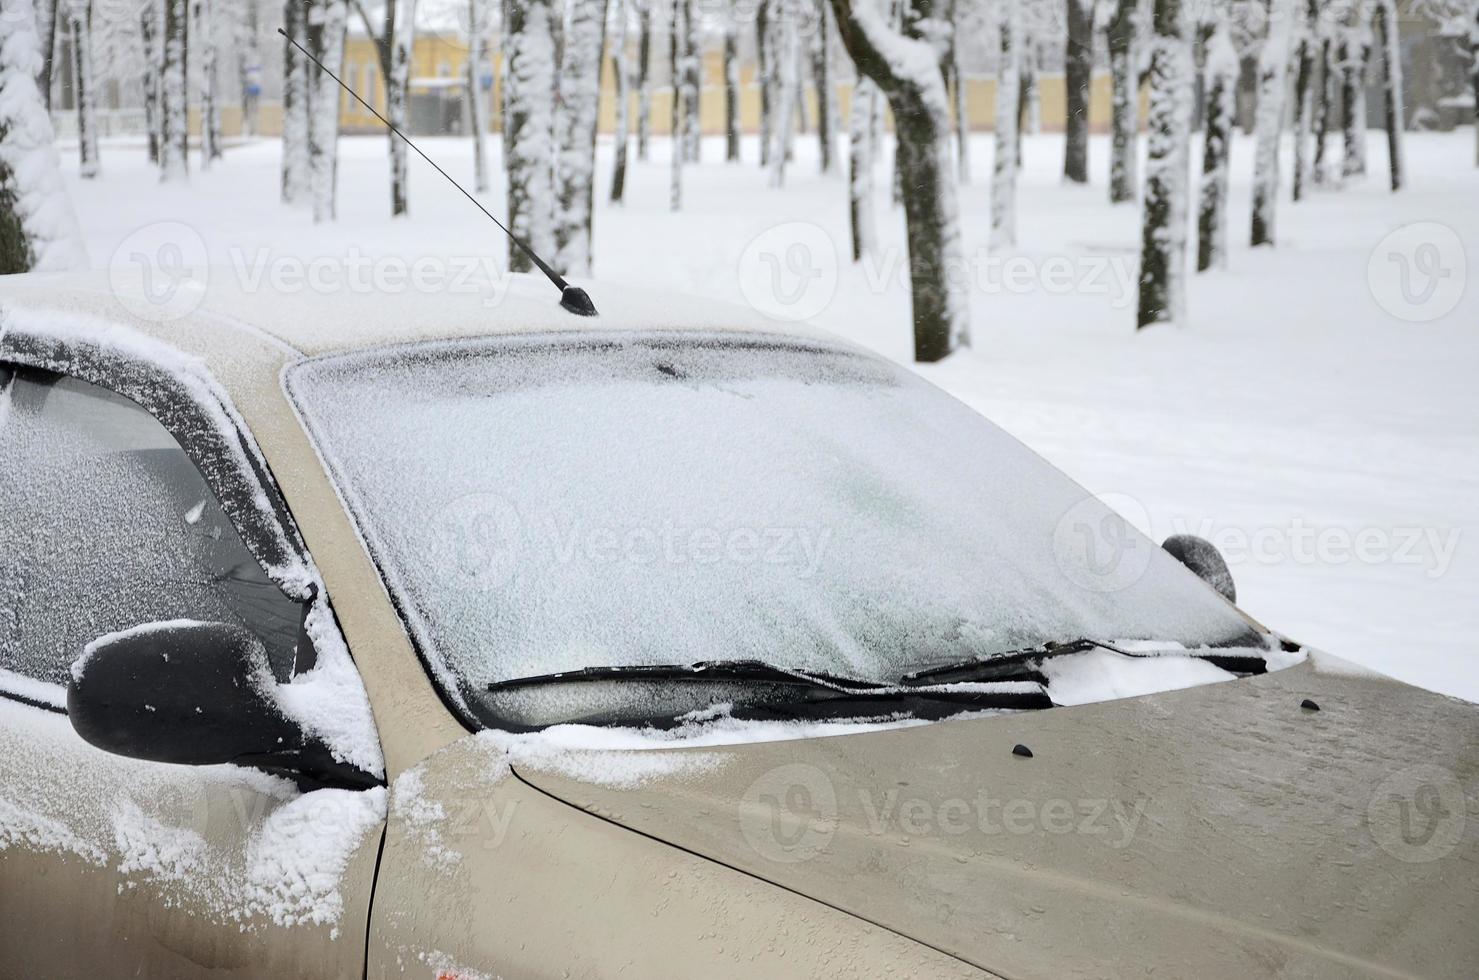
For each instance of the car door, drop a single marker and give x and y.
(114, 866)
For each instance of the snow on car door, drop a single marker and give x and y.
(113, 866)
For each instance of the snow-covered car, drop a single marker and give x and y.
(381, 635)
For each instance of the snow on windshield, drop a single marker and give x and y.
(545, 505)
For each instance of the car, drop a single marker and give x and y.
(435, 635)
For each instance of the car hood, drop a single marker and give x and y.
(1225, 830)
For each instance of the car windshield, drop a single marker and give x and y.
(545, 505)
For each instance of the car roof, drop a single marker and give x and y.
(312, 322)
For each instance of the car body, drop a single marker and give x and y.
(1315, 820)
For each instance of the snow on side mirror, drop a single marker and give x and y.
(1203, 558)
(193, 694)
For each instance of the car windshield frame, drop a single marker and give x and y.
(462, 697)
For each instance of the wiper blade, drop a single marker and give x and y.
(817, 686)
(1020, 664)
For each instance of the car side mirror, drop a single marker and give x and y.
(194, 694)
(1203, 558)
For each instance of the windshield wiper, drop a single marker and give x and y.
(814, 686)
(1021, 663)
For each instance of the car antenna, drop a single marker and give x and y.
(572, 298)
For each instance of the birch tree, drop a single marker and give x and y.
(862, 151)
(79, 13)
(693, 69)
(210, 110)
(826, 89)
(38, 229)
(1163, 210)
(956, 81)
(906, 67)
(1304, 88)
(1273, 63)
(477, 34)
(1078, 66)
(621, 69)
(731, 89)
(1221, 87)
(249, 66)
(787, 56)
(1324, 107)
(1008, 107)
(529, 45)
(327, 20)
(575, 135)
(765, 76)
(295, 104)
(394, 42)
(1353, 95)
(47, 21)
(644, 77)
(174, 151)
(681, 9)
(149, 35)
(1125, 119)
(1391, 86)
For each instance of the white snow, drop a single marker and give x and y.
(79, 666)
(1290, 405)
(1102, 675)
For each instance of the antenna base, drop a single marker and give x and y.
(574, 300)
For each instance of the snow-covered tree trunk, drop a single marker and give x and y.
(1391, 85)
(693, 76)
(1304, 94)
(48, 18)
(1008, 107)
(1353, 106)
(1125, 120)
(149, 35)
(681, 8)
(821, 71)
(1030, 116)
(907, 68)
(1168, 136)
(1324, 112)
(398, 41)
(644, 77)
(85, 91)
(327, 20)
(765, 75)
(787, 54)
(621, 69)
(529, 45)
(958, 90)
(38, 228)
(1222, 84)
(210, 110)
(575, 135)
(731, 91)
(1273, 63)
(249, 68)
(477, 20)
(1474, 72)
(174, 150)
(1358, 118)
(862, 150)
(295, 104)
(1078, 65)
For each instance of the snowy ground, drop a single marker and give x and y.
(1330, 447)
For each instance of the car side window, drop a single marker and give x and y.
(106, 524)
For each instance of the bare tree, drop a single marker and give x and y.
(174, 154)
(826, 90)
(681, 10)
(249, 66)
(1273, 63)
(327, 20)
(787, 54)
(1078, 58)
(477, 35)
(905, 66)
(644, 77)
(623, 73)
(957, 83)
(731, 89)
(529, 46)
(295, 103)
(575, 135)
(394, 41)
(765, 75)
(1304, 81)
(693, 69)
(1391, 85)
(38, 229)
(1125, 121)
(149, 34)
(1163, 212)
(1008, 101)
(1221, 85)
(48, 21)
(210, 110)
(862, 150)
(79, 14)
